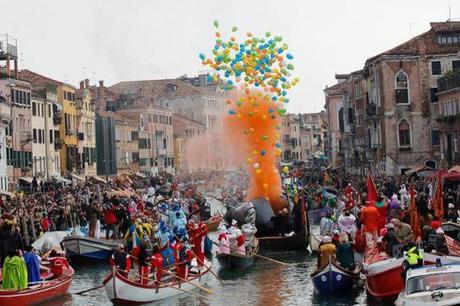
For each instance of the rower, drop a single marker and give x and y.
(143, 262)
(32, 261)
(121, 260)
(157, 263)
(326, 250)
(14, 271)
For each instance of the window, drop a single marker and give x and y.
(34, 132)
(455, 65)
(341, 123)
(434, 96)
(435, 138)
(404, 134)
(401, 88)
(435, 68)
(155, 118)
(34, 109)
(164, 143)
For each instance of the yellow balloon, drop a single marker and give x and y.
(285, 169)
(265, 186)
(258, 171)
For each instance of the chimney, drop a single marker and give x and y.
(81, 85)
(87, 83)
(101, 88)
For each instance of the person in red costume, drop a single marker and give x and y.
(382, 208)
(349, 190)
(156, 262)
(350, 202)
(182, 266)
(197, 236)
(370, 220)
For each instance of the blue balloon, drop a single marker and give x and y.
(262, 152)
(289, 56)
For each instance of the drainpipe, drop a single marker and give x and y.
(47, 157)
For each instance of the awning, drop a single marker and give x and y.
(26, 179)
(415, 169)
(77, 177)
(7, 193)
(62, 180)
(455, 169)
(452, 176)
(99, 179)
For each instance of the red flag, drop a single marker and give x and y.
(437, 202)
(414, 221)
(371, 190)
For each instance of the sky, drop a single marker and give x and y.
(120, 40)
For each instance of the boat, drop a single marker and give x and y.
(52, 287)
(88, 248)
(431, 286)
(383, 275)
(333, 278)
(213, 222)
(298, 241)
(236, 261)
(451, 229)
(123, 290)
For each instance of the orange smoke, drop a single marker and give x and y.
(252, 130)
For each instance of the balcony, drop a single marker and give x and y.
(449, 81)
(57, 118)
(58, 143)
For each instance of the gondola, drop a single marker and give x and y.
(46, 290)
(333, 278)
(298, 241)
(236, 261)
(124, 290)
(451, 229)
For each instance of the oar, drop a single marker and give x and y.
(257, 255)
(212, 272)
(209, 269)
(88, 290)
(209, 291)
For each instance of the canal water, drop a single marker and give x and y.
(266, 283)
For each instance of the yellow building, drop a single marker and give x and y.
(68, 127)
(66, 140)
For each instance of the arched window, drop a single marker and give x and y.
(404, 134)
(401, 88)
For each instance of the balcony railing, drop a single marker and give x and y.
(449, 81)
(57, 118)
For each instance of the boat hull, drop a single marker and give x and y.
(332, 278)
(233, 261)
(122, 291)
(298, 241)
(384, 281)
(39, 293)
(89, 249)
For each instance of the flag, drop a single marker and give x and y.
(414, 221)
(371, 190)
(437, 202)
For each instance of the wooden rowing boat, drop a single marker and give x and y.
(298, 241)
(237, 261)
(122, 290)
(89, 249)
(213, 222)
(333, 278)
(43, 291)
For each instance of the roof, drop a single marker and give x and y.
(426, 43)
(154, 89)
(37, 79)
(336, 89)
(187, 121)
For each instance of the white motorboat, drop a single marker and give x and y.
(431, 286)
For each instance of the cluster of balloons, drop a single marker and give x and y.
(258, 72)
(262, 62)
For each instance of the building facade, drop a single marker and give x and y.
(291, 142)
(387, 113)
(127, 145)
(86, 129)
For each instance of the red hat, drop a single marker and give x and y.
(435, 224)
